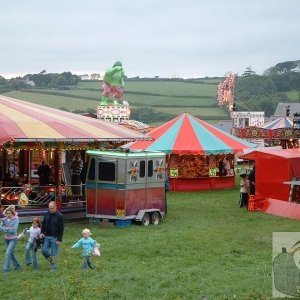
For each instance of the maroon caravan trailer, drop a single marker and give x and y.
(124, 186)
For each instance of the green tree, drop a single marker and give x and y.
(3, 81)
(59, 81)
(248, 72)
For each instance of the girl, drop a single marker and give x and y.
(9, 226)
(31, 248)
(88, 245)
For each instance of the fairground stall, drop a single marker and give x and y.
(32, 133)
(282, 131)
(199, 156)
(126, 187)
(277, 181)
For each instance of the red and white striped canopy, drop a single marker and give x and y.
(23, 121)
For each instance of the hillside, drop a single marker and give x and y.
(157, 100)
(163, 100)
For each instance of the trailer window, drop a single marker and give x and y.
(142, 168)
(107, 171)
(91, 174)
(150, 168)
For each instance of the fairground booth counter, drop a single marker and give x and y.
(199, 156)
(31, 133)
(282, 131)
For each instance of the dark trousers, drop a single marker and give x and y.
(243, 199)
(75, 182)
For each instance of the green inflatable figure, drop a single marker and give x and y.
(113, 83)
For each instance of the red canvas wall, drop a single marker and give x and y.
(272, 169)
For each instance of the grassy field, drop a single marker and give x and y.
(206, 246)
(170, 97)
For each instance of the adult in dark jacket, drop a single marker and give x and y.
(44, 172)
(251, 178)
(52, 231)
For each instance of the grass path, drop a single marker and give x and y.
(206, 245)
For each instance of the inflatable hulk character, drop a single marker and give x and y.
(113, 83)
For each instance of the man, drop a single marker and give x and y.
(76, 168)
(52, 231)
(44, 172)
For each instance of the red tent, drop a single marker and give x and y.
(273, 169)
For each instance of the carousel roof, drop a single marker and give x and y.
(189, 135)
(22, 121)
(282, 122)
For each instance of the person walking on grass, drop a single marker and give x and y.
(9, 226)
(52, 231)
(32, 245)
(88, 245)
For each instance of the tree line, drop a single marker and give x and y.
(264, 92)
(252, 91)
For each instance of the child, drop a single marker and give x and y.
(33, 243)
(244, 190)
(9, 226)
(88, 245)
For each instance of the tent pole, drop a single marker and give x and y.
(59, 176)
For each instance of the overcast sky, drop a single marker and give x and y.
(186, 38)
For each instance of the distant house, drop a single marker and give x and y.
(287, 109)
(29, 82)
(84, 77)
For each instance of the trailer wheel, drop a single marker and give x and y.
(146, 219)
(155, 218)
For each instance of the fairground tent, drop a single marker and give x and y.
(188, 135)
(22, 122)
(27, 127)
(195, 150)
(277, 175)
(281, 122)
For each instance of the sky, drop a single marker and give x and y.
(165, 38)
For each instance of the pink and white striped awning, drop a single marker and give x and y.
(23, 121)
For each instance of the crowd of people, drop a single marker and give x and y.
(46, 235)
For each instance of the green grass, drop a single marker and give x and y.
(168, 97)
(72, 104)
(206, 245)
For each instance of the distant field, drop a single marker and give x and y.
(55, 101)
(194, 111)
(294, 95)
(169, 97)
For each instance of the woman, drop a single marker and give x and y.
(9, 226)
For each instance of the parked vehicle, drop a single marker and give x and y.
(124, 186)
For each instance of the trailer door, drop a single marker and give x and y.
(106, 186)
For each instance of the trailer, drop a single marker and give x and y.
(126, 186)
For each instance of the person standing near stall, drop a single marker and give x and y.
(252, 181)
(44, 172)
(244, 190)
(76, 168)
